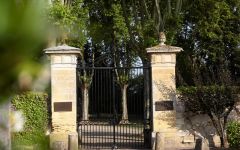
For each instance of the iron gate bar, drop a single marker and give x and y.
(114, 112)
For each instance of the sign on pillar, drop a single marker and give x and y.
(163, 61)
(63, 92)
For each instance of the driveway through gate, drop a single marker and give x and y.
(113, 108)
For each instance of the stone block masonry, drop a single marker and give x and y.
(163, 61)
(63, 93)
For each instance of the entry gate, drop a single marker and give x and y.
(101, 92)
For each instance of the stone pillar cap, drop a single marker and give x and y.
(62, 49)
(164, 49)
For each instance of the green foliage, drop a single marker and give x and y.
(35, 111)
(208, 98)
(123, 79)
(119, 25)
(78, 33)
(2, 146)
(70, 21)
(187, 94)
(22, 33)
(233, 134)
(215, 101)
(127, 28)
(210, 38)
(86, 79)
(61, 16)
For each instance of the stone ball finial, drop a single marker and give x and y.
(162, 38)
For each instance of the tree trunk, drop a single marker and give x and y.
(63, 38)
(222, 141)
(124, 104)
(52, 40)
(222, 135)
(85, 104)
(219, 128)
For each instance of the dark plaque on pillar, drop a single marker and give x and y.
(62, 106)
(163, 105)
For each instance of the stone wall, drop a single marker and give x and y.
(192, 126)
(235, 113)
(64, 90)
(4, 126)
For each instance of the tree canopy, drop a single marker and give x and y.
(210, 39)
(208, 31)
(132, 26)
(22, 33)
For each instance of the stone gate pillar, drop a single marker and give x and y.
(63, 93)
(163, 61)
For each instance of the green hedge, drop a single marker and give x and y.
(233, 134)
(208, 98)
(34, 108)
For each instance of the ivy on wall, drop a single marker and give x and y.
(233, 134)
(33, 105)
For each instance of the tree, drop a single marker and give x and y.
(68, 18)
(144, 20)
(215, 101)
(86, 77)
(127, 28)
(121, 56)
(114, 40)
(215, 94)
(210, 39)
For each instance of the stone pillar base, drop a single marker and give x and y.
(62, 138)
(168, 140)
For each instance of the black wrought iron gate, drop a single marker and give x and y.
(102, 91)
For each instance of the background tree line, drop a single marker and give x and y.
(208, 31)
